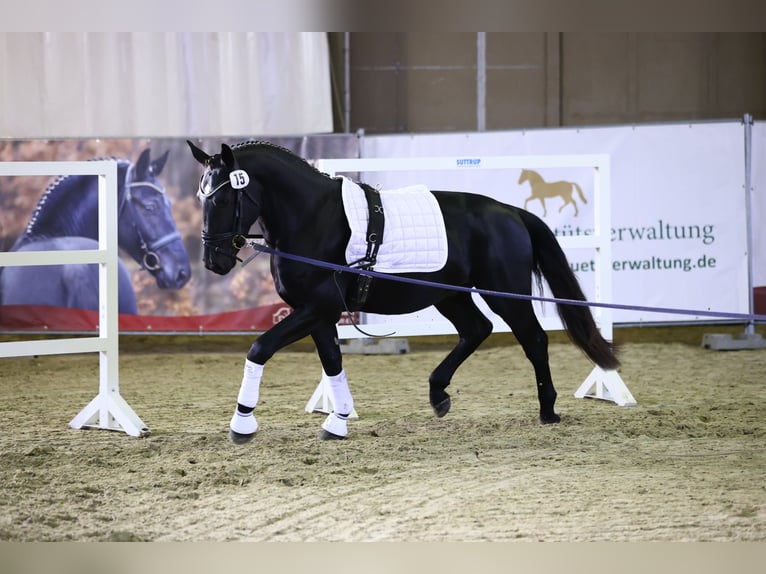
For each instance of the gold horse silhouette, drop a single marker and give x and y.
(542, 189)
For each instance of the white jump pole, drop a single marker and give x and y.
(600, 384)
(108, 410)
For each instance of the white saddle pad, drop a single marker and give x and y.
(414, 236)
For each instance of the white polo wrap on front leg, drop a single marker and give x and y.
(249, 391)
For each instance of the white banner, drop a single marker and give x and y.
(679, 232)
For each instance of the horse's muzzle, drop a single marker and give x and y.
(218, 261)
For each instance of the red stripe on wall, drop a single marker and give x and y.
(45, 318)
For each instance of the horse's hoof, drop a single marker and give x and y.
(550, 419)
(327, 435)
(240, 438)
(443, 407)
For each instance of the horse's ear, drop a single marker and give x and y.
(142, 165)
(198, 154)
(159, 163)
(227, 155)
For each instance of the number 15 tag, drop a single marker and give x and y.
(239, 179)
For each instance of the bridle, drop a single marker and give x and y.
(151, 260)
(238, 238)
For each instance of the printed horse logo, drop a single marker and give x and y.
(542, 189)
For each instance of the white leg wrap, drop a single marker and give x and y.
(342, 400)
(335, 425)
(251, 384)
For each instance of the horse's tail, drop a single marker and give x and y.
(579, 192)
(551, 262)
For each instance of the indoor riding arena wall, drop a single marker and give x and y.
(679, 218)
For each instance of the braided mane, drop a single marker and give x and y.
(249, 144)
(53, 190)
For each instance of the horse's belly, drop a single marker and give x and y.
(396, 298)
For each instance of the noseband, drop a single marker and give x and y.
(151, 260)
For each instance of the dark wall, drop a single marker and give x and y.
(427, 82)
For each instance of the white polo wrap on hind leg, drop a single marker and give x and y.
(249, 392)
(342, 400)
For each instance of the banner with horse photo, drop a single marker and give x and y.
(162, 285)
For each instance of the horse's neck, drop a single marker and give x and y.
(68, 209)
(294, 199)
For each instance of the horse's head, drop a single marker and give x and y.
(230, 202)
(147, 228)
(524, 176)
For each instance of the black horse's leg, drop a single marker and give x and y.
(520, 317)
(326, 340)
(473, 328)
(295, 326)
(298, 324)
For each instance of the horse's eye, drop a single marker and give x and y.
(149, 205)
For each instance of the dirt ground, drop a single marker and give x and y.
(686, 464)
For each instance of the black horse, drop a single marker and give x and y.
(491, 246)
(66, 218)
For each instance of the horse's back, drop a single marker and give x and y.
(479, 222)
(488, 244)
